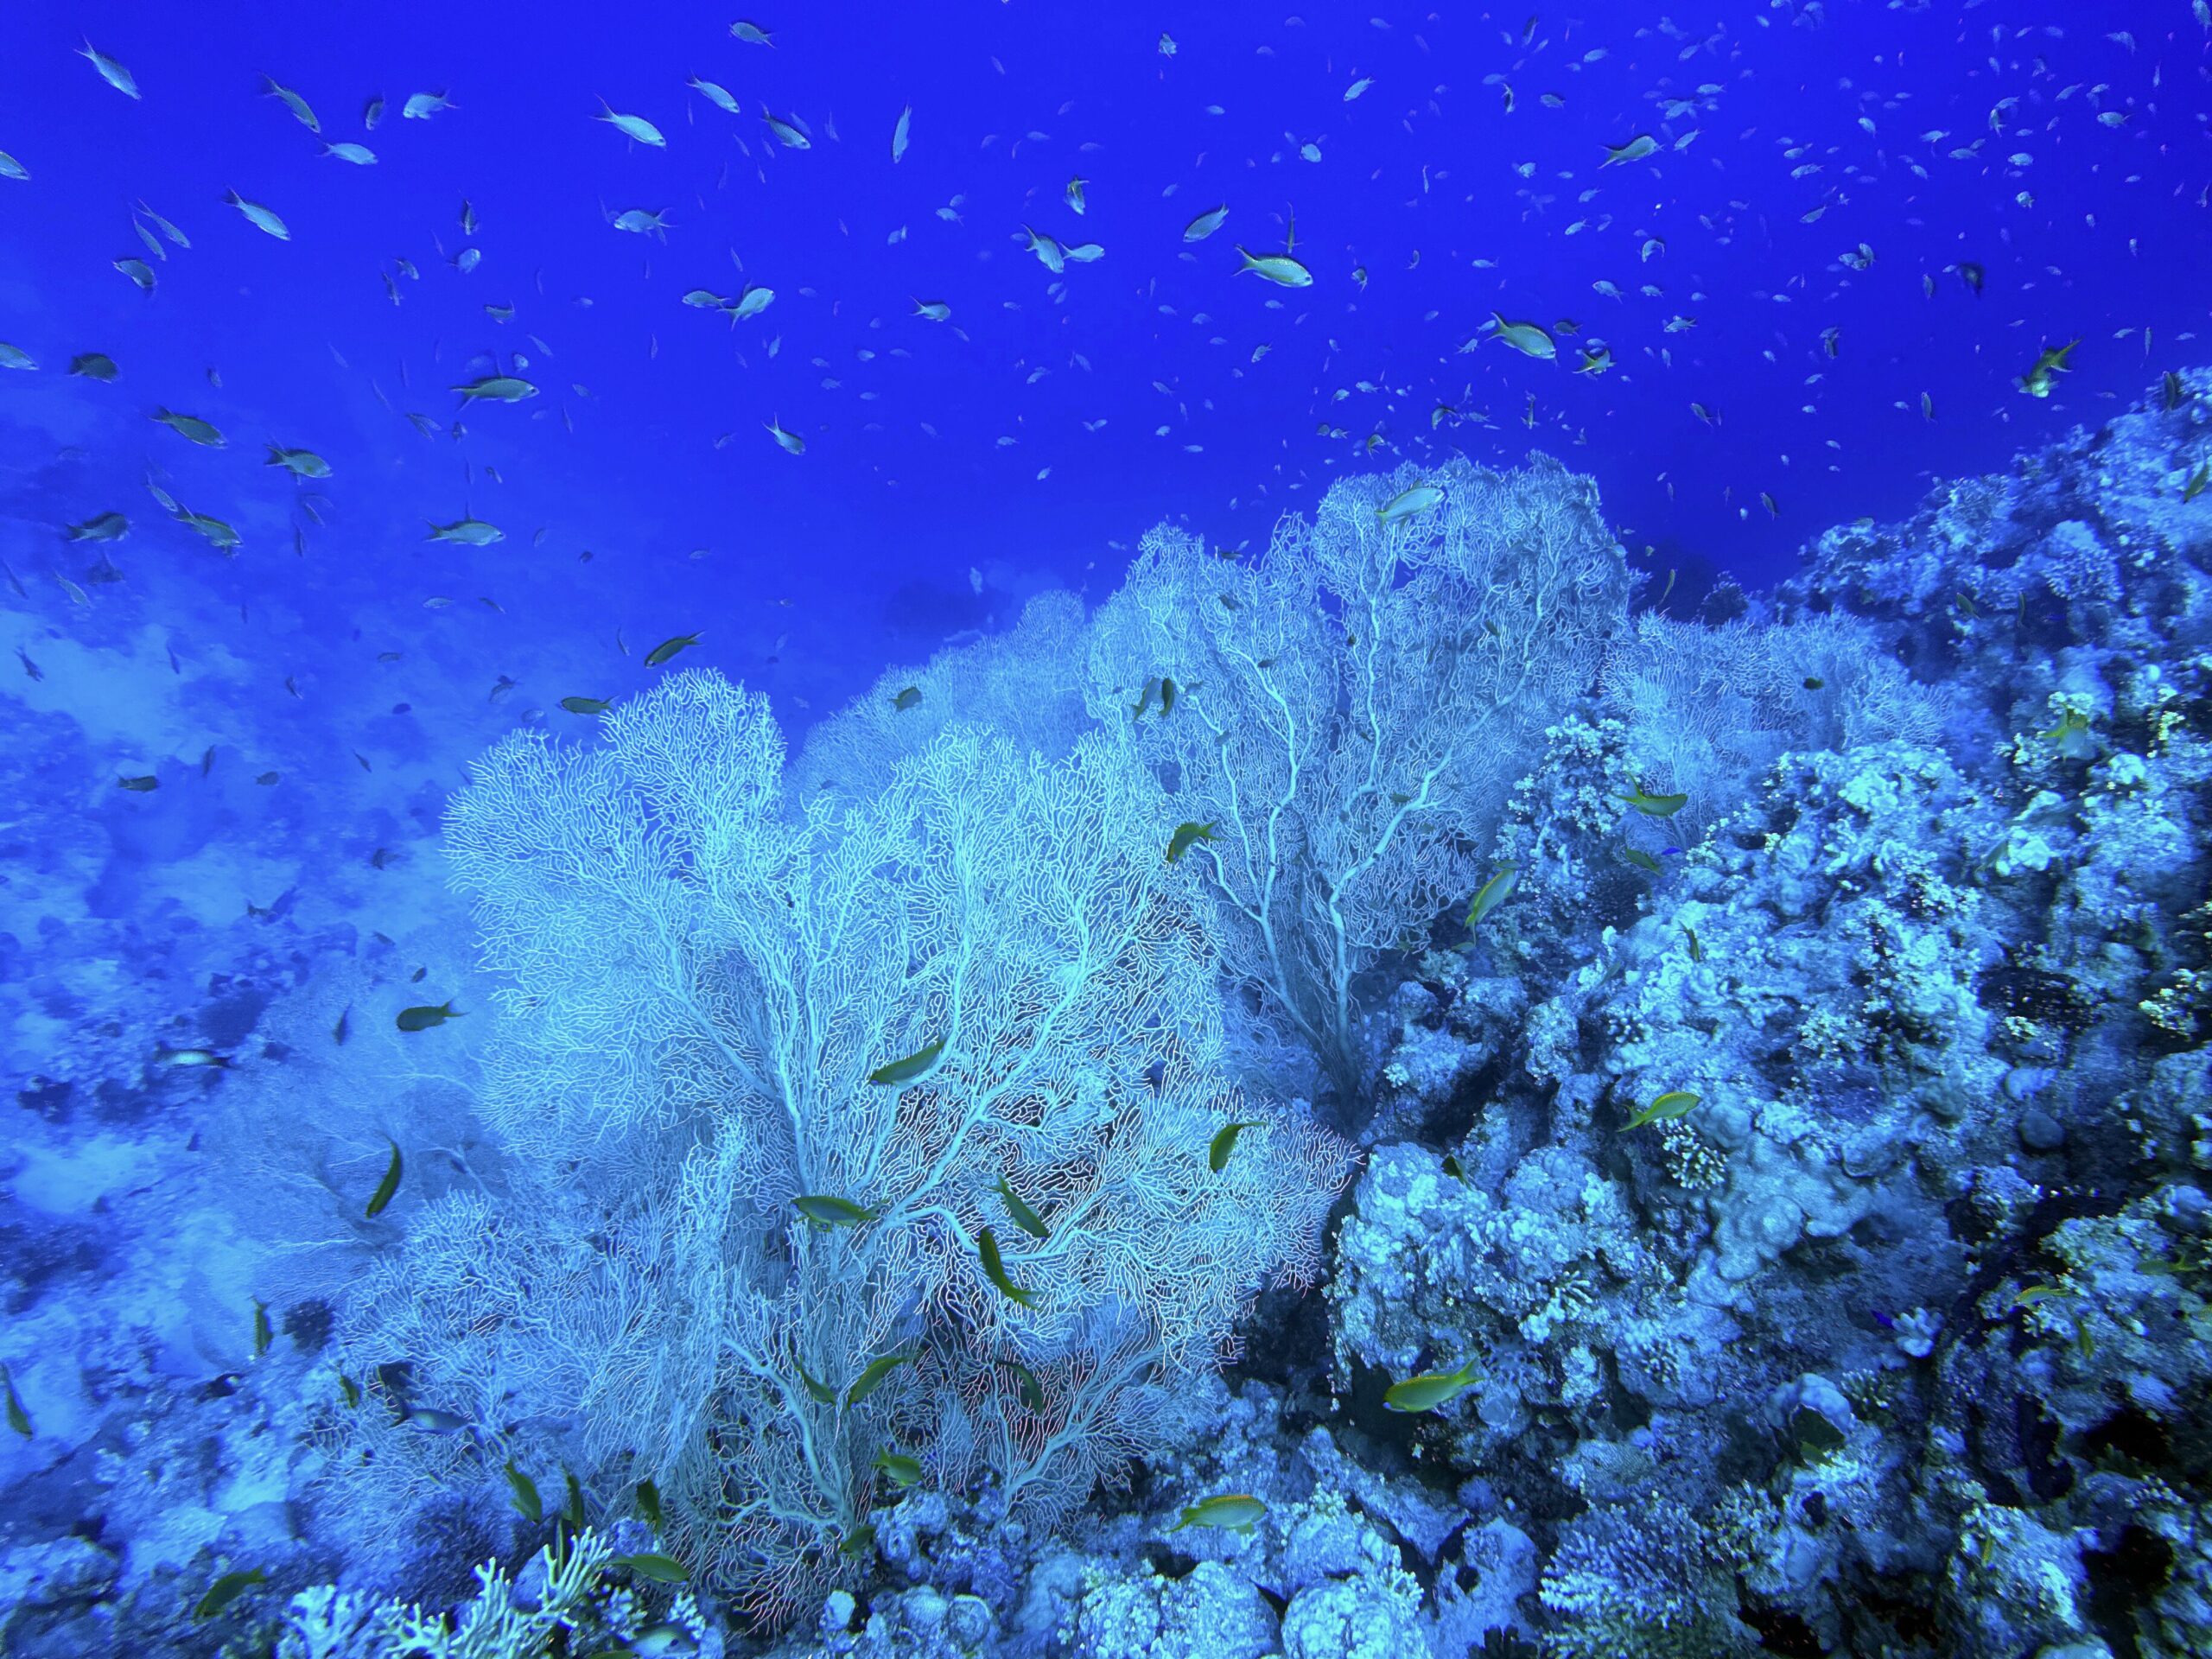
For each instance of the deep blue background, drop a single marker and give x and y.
(647, 449)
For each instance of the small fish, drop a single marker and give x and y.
(649, 1504)
(751, 302)
(872, 1378)
(498, 388)
(632, 126)
(720, 97)
(1675, 1102)
(654, 1568)
(1030, 1390)
(18, 1419)
(752, 33)
(792, 444)
(1237, 1510)
(987, 1247)
(190, 428)
(862, 1540)
(2197, 480)
(1206, 223)
(1596, 359)
(1223, 1143)
(2173, 393)
(420, 106)
(228, 1588)
(822, 1392)
(110, 72)
(1655, 806)
(139, 272)
(350, 1390)
(1697, 951)
(387, 1186)
(1454, 1168)
(1404, 505)
(1073, 194)
(293, 102)
(421, 1019)
(263, 1335)
(1277, 267)
(1641, 859)
(640, 222)
(1167, 696)
(13, 357)
(667, 650)
(826, 1210)
(900, 132)
(431, 1420)
(785, 133)
(1635, 149)
(523, 1492)
(1523, 337)
(1186, 834)
(12, 168)
(935, 310)
(586, 705)
(910, 696)
(903, 1469)
(300, 463)
(259, 216)
(2037, 381)
(1431, 1390)
(467, 532)
(145, 785)
(909, 1070)
(1493, 893)
(1024, 1217)
(107, 527)
(372, 112)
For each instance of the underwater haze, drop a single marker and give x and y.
(1016, 831)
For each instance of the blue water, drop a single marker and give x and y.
(1820, 182)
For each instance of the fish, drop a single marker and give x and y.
(139, 272)
(467, 532)
(2037, 381)
(631, 126)
(586, 705)
(648, 1497)
(751, 32)
(499, 388)
(259, 216)
(1526, 338)
(219, 535)
(191, 1057)
(751, 302)
(1404, 505)
(523, 1491)
(793, 444)
(667, 650)
(913, 1067)
(228, 1588)
(1655, 806)
(359, 155)
(1277, 267)
(1083, 253)
(107, 527)
(421, 1019)
(935, 310)
(903, 1469)
(1641, 859)
(1167, 696)
(1186, 834)
(191, 428)
(1492, 894)
(720, 97)
(12, 168)
(1223, 1143)
(1048, 251)
(1431, 1390)
(899, 133)
(1675, 1102)
(1237, 1510)
(909, 696)
(987, 1247)
(826, 1210)
(654, 1568)
(372, 112)
(2173, 392)
(388, 1185)
(263, 1335)
(1206, 223)
(350, 1391)
(300, 463)
(15, 357)
(872, 1378)
(1596, 359)
(640, 222)
(420, 106)
(110, 72)
(859, 1542)
(1697, 951)
(1024, 1217)
(785, 133)
(1357, 87)
(2197, 480)
(1635, 149)
(293, 102)
(1073, 196)
(822, 1394)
